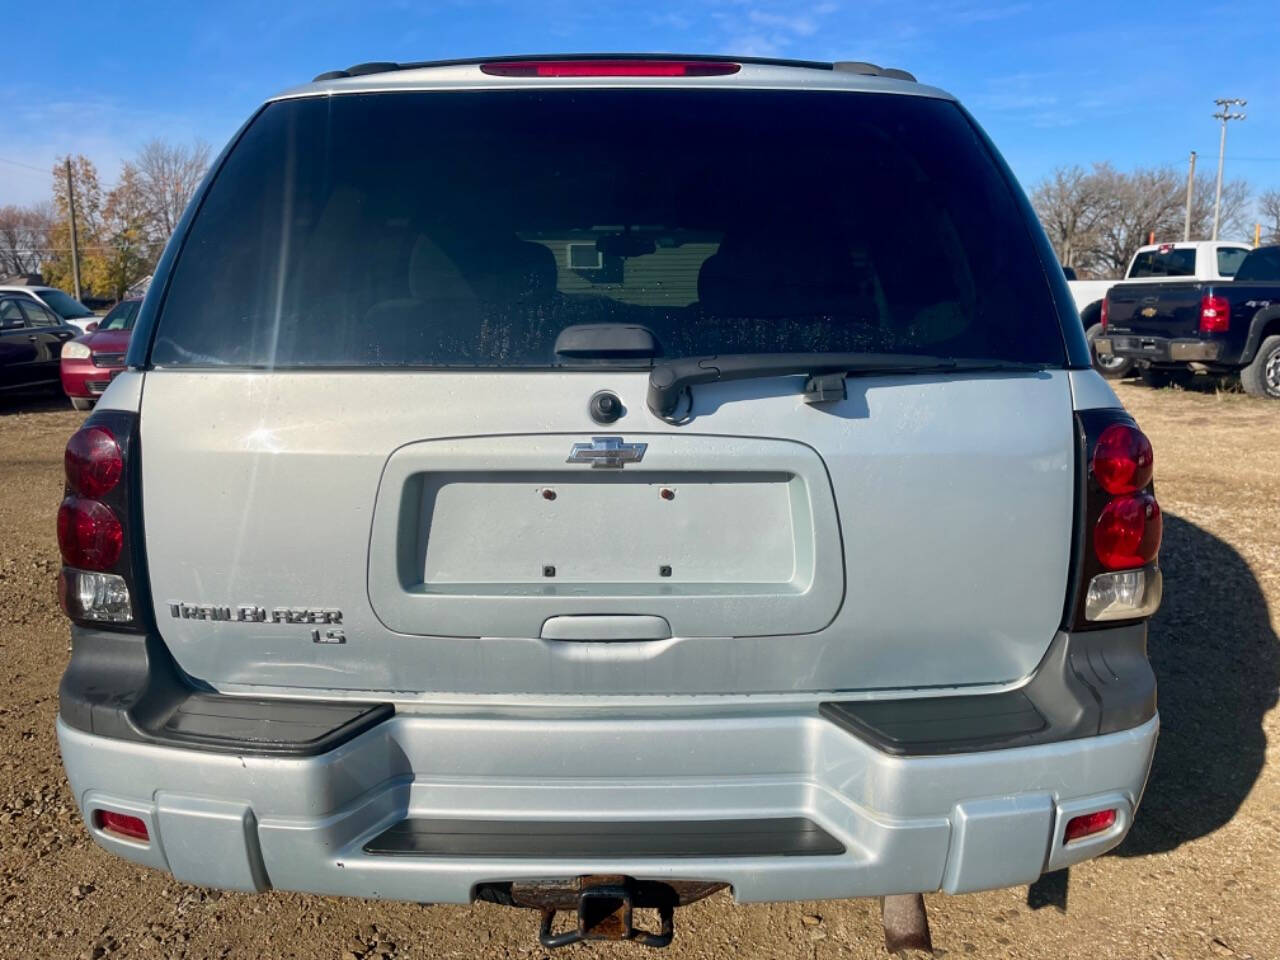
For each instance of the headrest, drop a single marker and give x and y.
(513, 271)
(782, 274)
(433, 275)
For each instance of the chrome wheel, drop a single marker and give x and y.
(1271, 374)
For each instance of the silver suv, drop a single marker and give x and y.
(587, 483)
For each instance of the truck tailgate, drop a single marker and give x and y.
(1156, 309)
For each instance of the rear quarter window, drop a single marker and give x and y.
(1229, 260)
(726, 221)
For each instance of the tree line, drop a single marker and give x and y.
(1097, 218)
(121, 231)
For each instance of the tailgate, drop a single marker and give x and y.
(915, 534)
(1154, 310)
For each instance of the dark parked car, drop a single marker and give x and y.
(1220, 326)
(31, 339)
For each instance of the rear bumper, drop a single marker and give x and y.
(1160, 349)
(958, 823)
(830, 800)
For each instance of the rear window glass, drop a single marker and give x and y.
(65, 305)
(1164, 263)
(1229, 260)
(468, 229)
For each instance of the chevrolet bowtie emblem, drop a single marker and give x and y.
(609, 452)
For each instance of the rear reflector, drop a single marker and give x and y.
(121, 825)
(609, 68)
(1088, 824)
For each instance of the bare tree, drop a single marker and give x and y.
(25, 238)
(1070, 206)
(1097, 219)
(168, 175)
(1269, 207)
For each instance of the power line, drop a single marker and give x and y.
(19, 163)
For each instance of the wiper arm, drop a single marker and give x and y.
(671, 379)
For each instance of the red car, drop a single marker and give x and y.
(90, 362)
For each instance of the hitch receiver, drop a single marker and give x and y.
(605, 906)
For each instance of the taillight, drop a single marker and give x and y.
(609, 68)
(1215, 314)
(1106, 310)
(1127, 534)
(1122, 459)
(89, 534)
(93, 461)
(97, 583)
(1119, 525)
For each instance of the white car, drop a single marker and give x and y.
(63, 304)
(1204, 260)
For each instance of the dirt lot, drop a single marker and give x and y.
(1198, 877)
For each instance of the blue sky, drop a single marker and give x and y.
(1053, 84)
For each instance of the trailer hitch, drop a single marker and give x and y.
(604, 905)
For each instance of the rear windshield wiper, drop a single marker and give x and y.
(670, 380)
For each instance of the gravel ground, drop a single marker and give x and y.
(1198, 877)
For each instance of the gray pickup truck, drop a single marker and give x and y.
(588, 483)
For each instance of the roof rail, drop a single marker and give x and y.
(844, 66)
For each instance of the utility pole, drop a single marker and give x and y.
(1223, 114)
(75, 246)
(1191, 182)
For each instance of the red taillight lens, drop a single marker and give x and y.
(1122, 459)
(1215, 314)
(1106, 311)
(122, 825)
(1128, 533)
(89, 534)
(609, 68)
(93, 461)
(1089, 824)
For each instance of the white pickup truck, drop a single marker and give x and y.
(1193, 260)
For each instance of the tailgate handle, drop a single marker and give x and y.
(606, 628)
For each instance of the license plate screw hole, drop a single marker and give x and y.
(548, 493)
(548, 570)
(666, 493)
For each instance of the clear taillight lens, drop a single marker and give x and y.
(94, 596)
(1124, 594)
